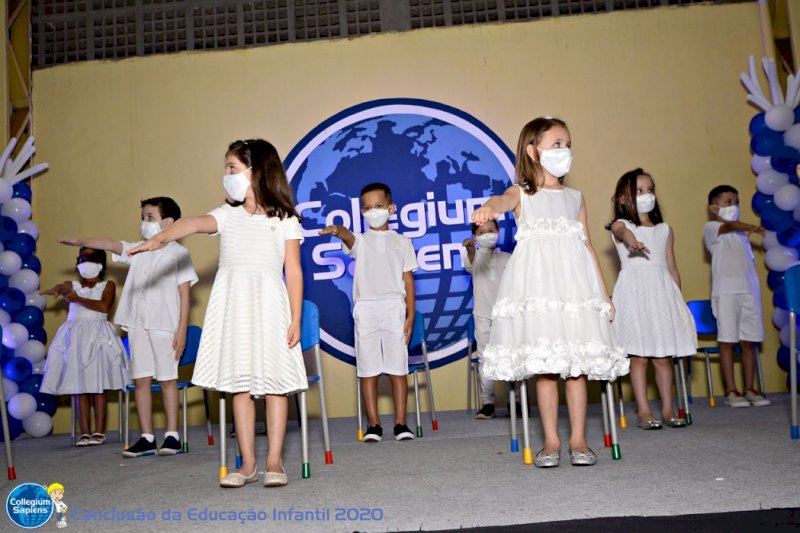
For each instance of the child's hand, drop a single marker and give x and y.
(293, 336)
(71, 296)
(468, 243)
(760, 230)
(179, 343)
(330, 230)
(612, 312)
(408, 328)
(484, 214)
(70, 241)
(150, 245)
(638, 246)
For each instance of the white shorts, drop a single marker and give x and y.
(380, 342)
(738, 318)
(152, 354)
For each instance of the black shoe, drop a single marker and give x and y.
(486, 412)
(170, 446)
(402, 432)
(142, 447)
(374, 434)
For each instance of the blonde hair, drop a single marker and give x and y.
(53, 487)
(528, 172)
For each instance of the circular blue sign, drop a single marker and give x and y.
(29, 506)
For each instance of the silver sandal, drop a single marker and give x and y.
(236, 480)
(547, 460)
(587, 458)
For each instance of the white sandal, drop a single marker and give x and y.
(97, 438)
(236, 480)
(85, 440)
(275, 479)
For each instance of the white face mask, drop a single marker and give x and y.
(556, 161)
(149, 229)
(645, 202)
(730, 213)
(89, 270)
(486, 240)
(236, 185)
(376, 218)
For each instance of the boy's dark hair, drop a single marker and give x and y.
(166, 206)
(624, 200)
(476, 226)
(718, 191)
(378, 187)
(92, 255)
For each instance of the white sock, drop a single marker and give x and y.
(173, 434)
(150, 438)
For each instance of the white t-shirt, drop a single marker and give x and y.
(150, 298)
(486, 270)
(733, 269)
(381, 259)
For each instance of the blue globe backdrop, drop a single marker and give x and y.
(32, 492)
(441, 164)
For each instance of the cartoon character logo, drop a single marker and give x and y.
(56, 492)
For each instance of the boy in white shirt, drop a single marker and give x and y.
(154, 310)
(735, 292)
(383, 312)
(486, 266)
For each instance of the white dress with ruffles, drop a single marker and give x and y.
(550, 316)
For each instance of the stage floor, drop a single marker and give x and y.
(461, 476)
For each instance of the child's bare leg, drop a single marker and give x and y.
(84, 401)
(726, 362)
(144, 404)
(400, 394)
(277, 413)
(663, 367)
(639, 385)
(547, 398)
(369, 389)
(99, 401)
(169, 395)
(244, 415)
(576, 404)
(748, 364)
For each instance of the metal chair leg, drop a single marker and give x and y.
(794, 431)
(416, 403)
(469, 382)
(304, 434)
(512, 407)
(711, 401)
(429, 387)
(604, 401)
(684, 392)
(760, 371)
(72, 408)
(119, 415)
(623, 421)
(208, 418)
(297, 408)
(323, 407)
(127, 420)
(615, 451)
(360, 434)
(185, 420)
(527, 452)
(223, 466)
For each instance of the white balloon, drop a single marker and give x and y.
(10, 388)
(760, 163)
(779, 258)
(788, 197)
(27, 280)
(33, 350)
(10, 263)
(792, 136)
(779, 118)
(22, 405)
(770, 181)
(14, 335)
(17, 208)
(29, 227)
(6, 191)
(38, 424)
(5, 318)
(35, 299)
(780, 317)
(770, 240)
(38, 368)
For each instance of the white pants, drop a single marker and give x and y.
(482, 328)
(380, 342)
(152, 354)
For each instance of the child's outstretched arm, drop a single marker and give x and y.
(626, 237)
(58, 290)
(98, 243)
(730, 227)
(180, 229)
(497, 205)
(672, 265)
(103, 305)
(583, 220)
(294, 285)
(469, 246)
(408, 327)
(340, 232)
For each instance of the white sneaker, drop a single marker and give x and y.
(734, 399)
(755, 399)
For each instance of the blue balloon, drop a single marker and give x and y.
(12, 300)
(774, 279)
(8, 228)
(14, 428)
(3, 282)
(18, 369)
(23, 244)
(764, 144)
(761, 201)
(779, 299)
(797, 114)
(32, 263)
(774, 218)
(785, 159)
(6, 355)
(783, 358)
(23, 190)
(46, 403)
(32, 384)
(30, 316)
(790, 237)
(38, 333)
(758, 125)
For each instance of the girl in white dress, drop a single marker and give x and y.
(86, 356)
(552, 314)
(653, 322)
(251, 333)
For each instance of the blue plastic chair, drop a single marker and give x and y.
(417, 341)
(706, 325)
(473, 368)
(791, 283)
(189, 356)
